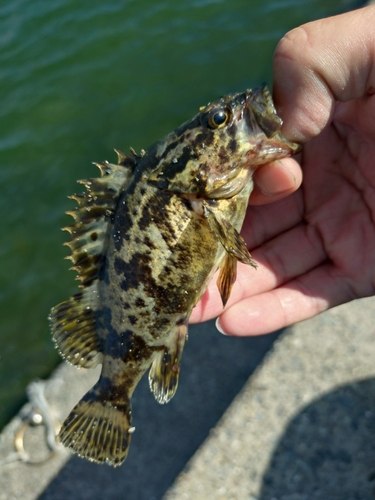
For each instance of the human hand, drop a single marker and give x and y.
(315, 248)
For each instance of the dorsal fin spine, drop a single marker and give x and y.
(73, 322)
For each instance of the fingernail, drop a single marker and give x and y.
(217, 324)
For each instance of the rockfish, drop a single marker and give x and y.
(147, 237)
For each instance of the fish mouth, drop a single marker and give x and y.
(267, 149)
(281, 143)
(264, 123)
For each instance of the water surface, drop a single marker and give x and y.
(77, 81)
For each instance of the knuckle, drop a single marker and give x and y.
(293, 43)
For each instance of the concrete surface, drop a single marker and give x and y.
(20, 480)
(301, 428)
(214, 370)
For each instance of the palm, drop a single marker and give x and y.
(315, 248)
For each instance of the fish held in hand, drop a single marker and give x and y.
(147, 237)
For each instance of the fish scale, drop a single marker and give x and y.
(147, 237)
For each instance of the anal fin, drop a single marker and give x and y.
(165, 369)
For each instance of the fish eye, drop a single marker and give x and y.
(217, 118)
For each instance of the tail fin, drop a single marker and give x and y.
(98, 429)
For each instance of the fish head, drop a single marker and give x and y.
(215, 154)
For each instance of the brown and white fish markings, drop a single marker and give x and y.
(147, 237)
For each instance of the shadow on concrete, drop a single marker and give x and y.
(328, 450)
(214, 369)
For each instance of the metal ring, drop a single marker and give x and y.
(19, 441)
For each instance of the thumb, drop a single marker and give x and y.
(320, 63)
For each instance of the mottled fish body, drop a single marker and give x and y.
(148, 236)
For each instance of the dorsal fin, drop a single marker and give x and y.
(73, 325)
(91, 217)
(126, 160)
(73, 322)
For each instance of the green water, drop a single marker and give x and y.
(77, 81)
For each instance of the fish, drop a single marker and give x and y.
(147, 237)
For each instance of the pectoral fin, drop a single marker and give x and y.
(229, 237)
(235, 247)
